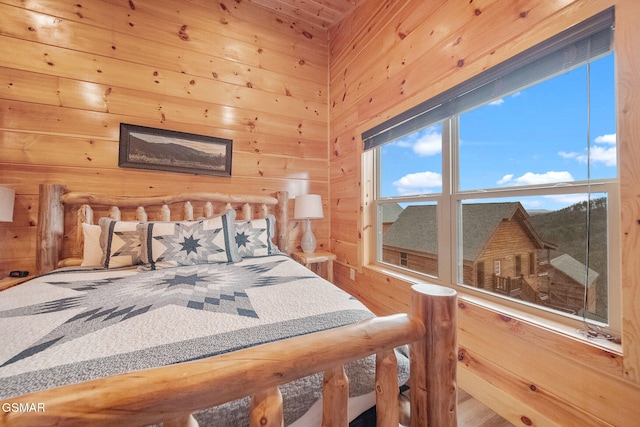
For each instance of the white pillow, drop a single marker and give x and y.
(92, 252)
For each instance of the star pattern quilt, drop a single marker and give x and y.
(79, 324)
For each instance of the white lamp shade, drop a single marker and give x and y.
(7, 197)
(308, 206)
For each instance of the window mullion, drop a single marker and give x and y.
(447, 258)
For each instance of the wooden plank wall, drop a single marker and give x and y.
(72, 71)
(389, 56)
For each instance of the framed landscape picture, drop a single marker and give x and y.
(143, 147)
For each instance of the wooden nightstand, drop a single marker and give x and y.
(316, 258)
(7, 282)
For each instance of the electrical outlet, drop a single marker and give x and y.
(352, 273)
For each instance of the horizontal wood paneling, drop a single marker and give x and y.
(389, 57)
(71, 72)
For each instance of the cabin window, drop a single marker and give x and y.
(520, 159)
(403, 259)
(480, 274)
(532, 263)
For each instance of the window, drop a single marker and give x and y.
(403, 259)
(520, 160)
(532, 263)
(480, 274)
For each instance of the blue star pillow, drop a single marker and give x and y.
(210, 240)
(255, 237)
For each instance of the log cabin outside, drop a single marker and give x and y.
(502, 253)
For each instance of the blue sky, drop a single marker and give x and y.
(537, 135)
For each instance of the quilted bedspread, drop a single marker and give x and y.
(75, 325)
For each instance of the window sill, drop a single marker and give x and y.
(504, 308)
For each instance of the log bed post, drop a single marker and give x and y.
(282, 221)
(434, 358)
(50, 227)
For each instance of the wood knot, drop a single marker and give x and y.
(183, 33)
(526, 421)
(460, 63)
(504, 318)
(533, 387)
(462, 355)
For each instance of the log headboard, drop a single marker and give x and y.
(61, 215)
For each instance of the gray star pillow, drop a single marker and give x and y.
(254, 237)
(120, 243)
(210, 240)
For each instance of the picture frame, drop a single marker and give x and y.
(143, 147)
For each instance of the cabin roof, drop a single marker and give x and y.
(573, 268)
(390, 212)
(416, 228)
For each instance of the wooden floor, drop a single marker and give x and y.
(473, 413)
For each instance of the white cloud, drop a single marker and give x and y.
(505, 179)
(501, 100)
(429, 144)
(573, 155)
(567, 199)
(418, 183)
(531, 178)
(604, 153)
(606, 139)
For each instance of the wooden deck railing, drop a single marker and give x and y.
(171, 394)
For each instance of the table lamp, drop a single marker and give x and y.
(308, 206)
(7, 196)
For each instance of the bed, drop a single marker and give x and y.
(187, 309)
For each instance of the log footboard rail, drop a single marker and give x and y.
(171, 394)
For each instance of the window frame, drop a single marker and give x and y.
(448, 216)
(448, 233)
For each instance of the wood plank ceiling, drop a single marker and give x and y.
(320, 13)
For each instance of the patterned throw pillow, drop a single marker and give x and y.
(120, 243)
(169, 244)
(254, 238)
